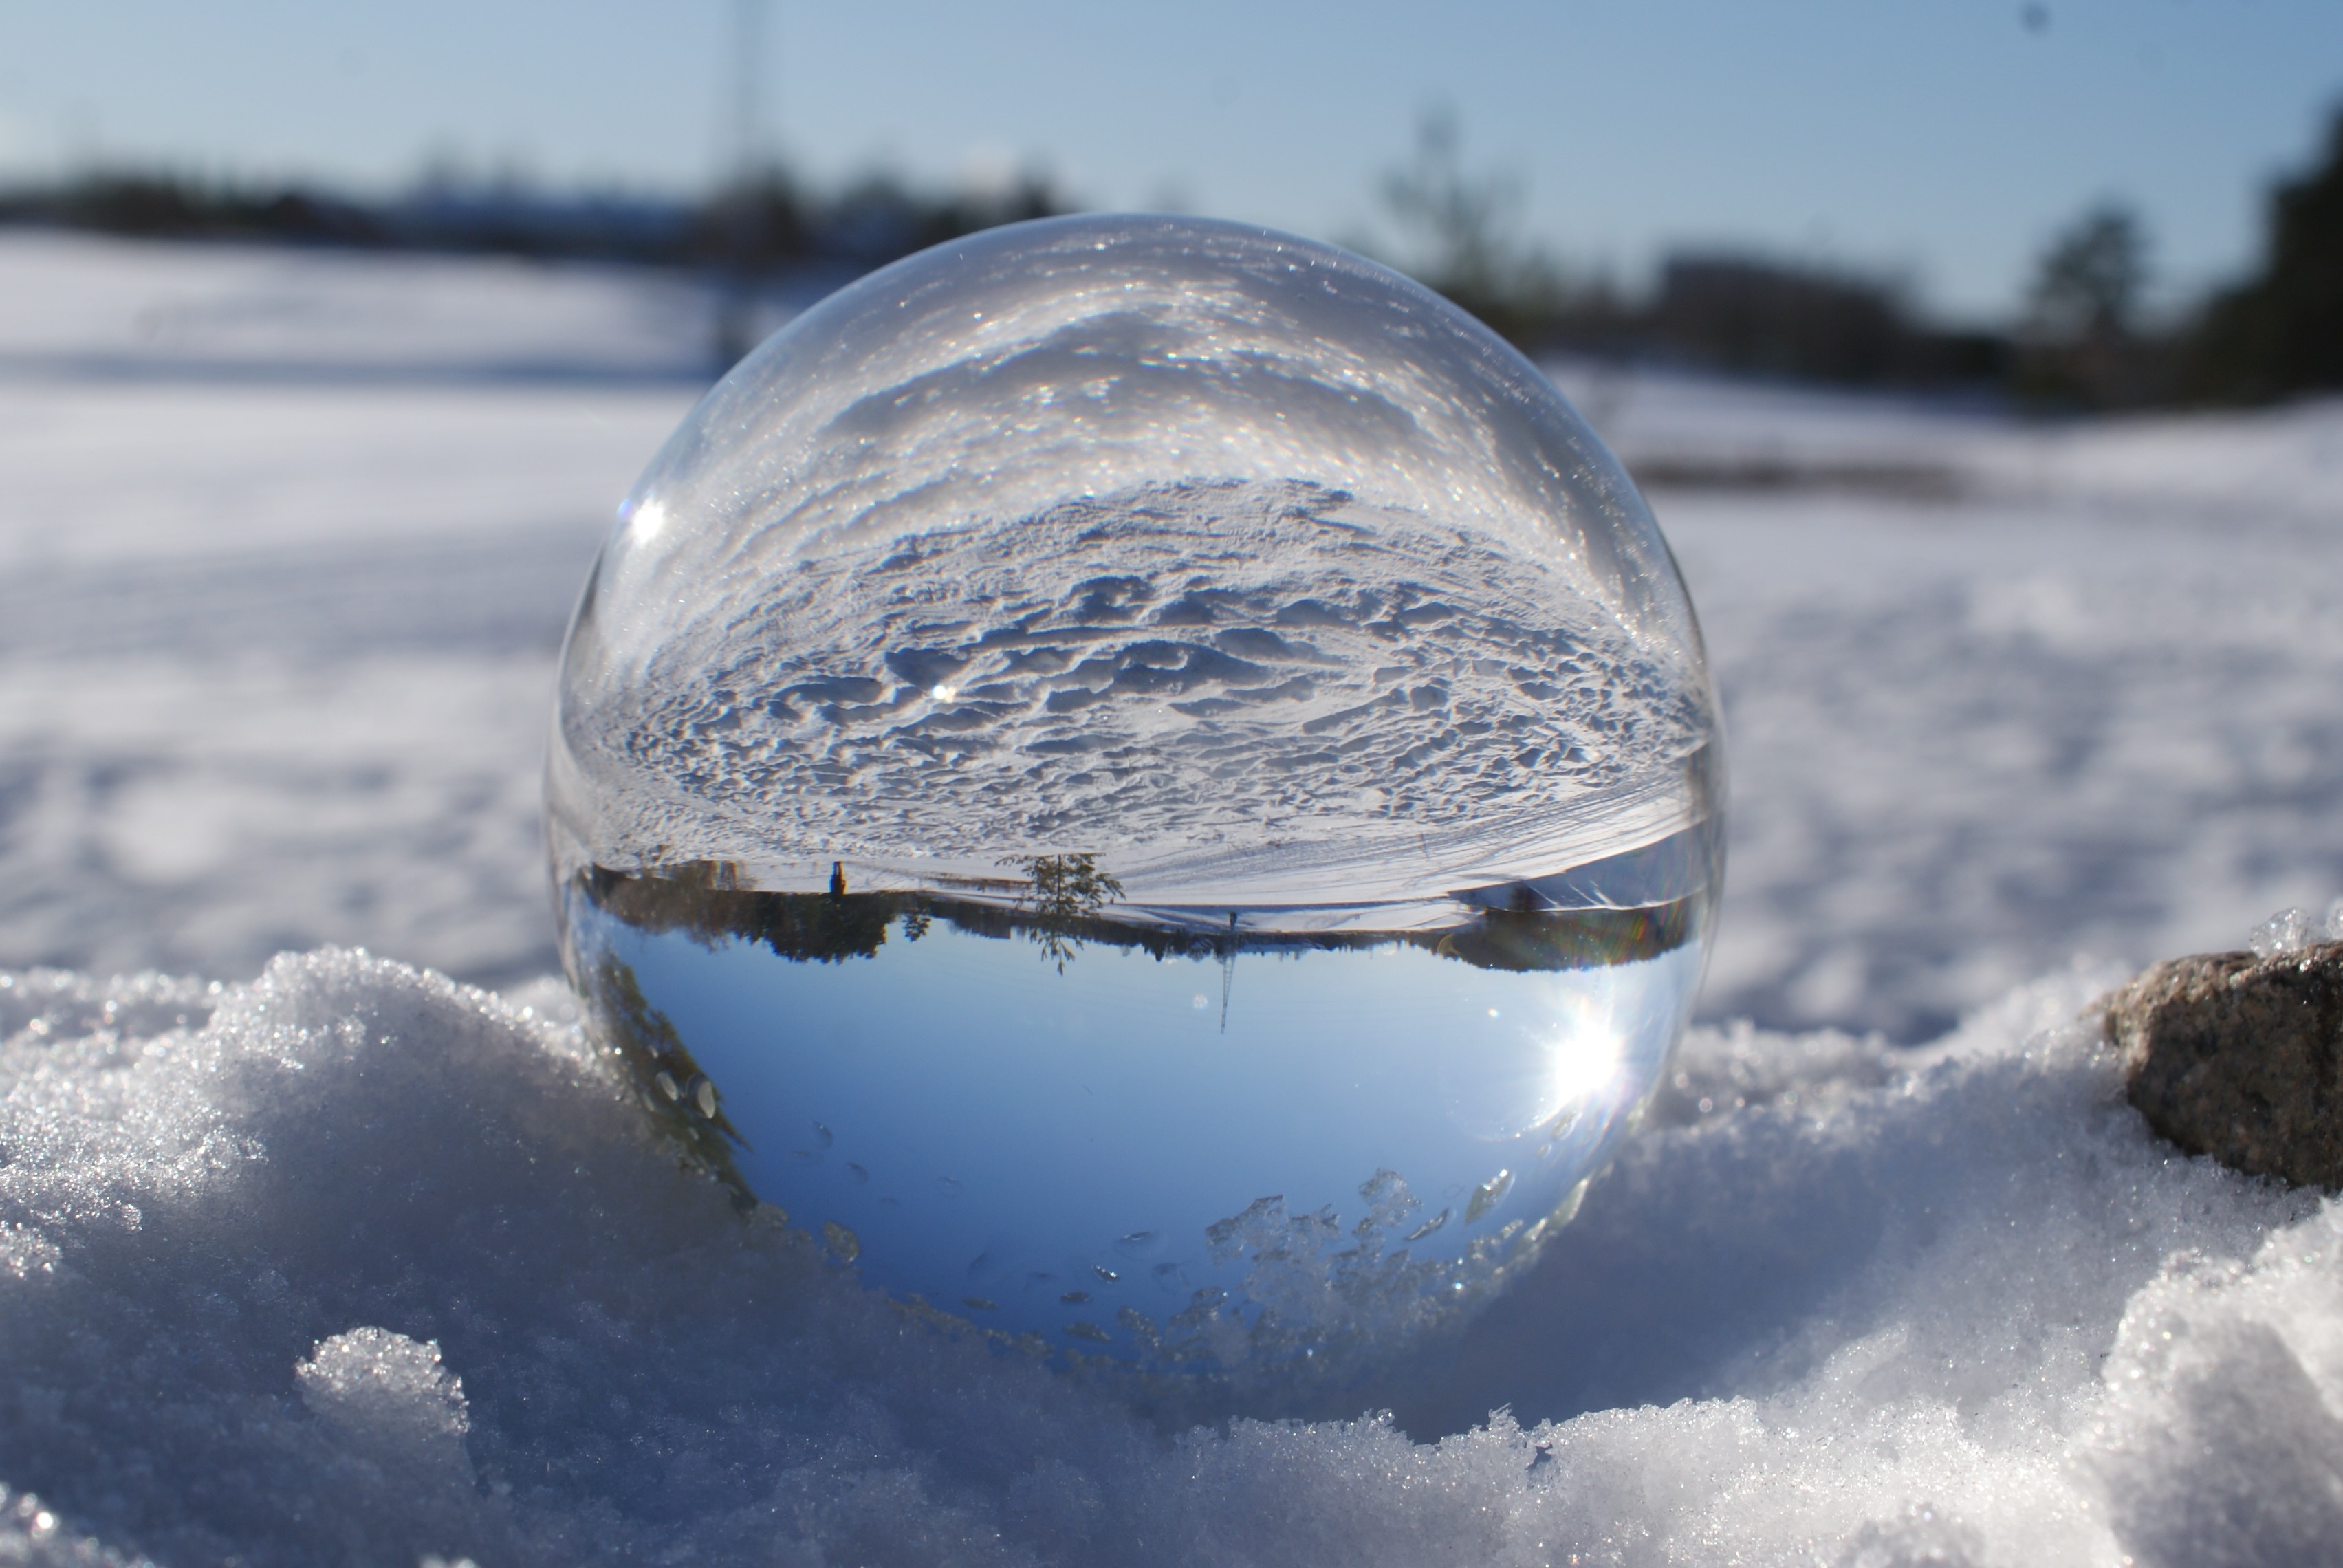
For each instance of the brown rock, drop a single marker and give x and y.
(2240, 1058)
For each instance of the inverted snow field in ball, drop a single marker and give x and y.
(1150, 784)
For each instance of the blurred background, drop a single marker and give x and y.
(2049, 197)
(1975, 357)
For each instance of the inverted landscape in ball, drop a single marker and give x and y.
(1148, 782)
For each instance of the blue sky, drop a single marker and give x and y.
(1941, 141)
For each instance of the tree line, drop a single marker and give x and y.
(2083, 338)
(766, 221)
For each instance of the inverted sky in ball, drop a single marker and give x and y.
(1150, 783)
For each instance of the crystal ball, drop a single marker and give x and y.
(1149, 786)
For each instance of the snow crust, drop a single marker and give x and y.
(352, 1264)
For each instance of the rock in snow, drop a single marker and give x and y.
(2240, 1057)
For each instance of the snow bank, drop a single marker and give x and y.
(356, 1264)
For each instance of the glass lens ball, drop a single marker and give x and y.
(1151, 786)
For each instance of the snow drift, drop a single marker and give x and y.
(354, 1263)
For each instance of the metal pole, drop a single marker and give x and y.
(737, 306)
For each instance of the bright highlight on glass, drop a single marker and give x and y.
(1150, 785)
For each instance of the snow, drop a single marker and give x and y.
(351, 1261)
(281, 619)
(2291, 930)
(358, 1264)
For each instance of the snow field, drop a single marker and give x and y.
(278, 627)
(278, 609)
(1971, 740)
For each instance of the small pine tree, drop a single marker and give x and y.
(2089, 283)
(2082, 332)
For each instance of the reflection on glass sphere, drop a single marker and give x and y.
(1150, 785)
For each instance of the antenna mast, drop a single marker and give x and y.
(736, 311)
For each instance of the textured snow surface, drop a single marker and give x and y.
(355, 1264)
(1399, 709)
